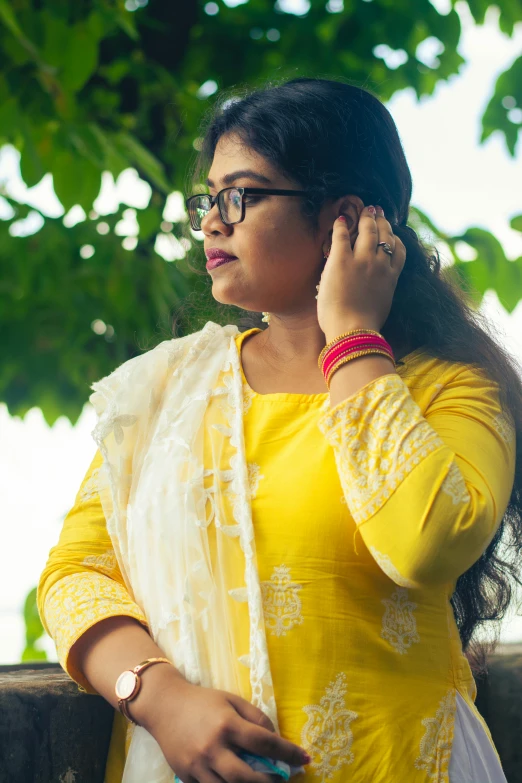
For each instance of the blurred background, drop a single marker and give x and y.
(101, 105)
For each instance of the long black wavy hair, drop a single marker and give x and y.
(334, 138)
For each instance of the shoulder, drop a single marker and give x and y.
(167, 353)
(430, 377)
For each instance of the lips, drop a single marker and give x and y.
(216, 257)
(212, 263)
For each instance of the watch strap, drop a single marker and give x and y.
(123, 704)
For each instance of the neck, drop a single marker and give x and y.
(300, 341)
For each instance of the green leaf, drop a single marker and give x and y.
(516, 223)
(491, 269)
(33, 654)
(81, 57)
(143, 159)
(55, 32)
(76, 180)
(31, 167)
(496, 115)
(149, 221)
(9, 119)
(113, 160)
(8, 18)
(33, 624)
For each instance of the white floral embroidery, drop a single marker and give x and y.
(281, 602)
(455, 486)
(78, 601)
(398, 623)
(436, 744)
(327, 736)
(90, 488)
(248, 396)
(115, 424)
(386, 565)
(105, 563)
(239, 594)
(325, 407)
(504, 426)
(379, 436)
(254, 477)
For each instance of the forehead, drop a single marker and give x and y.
(233, 156)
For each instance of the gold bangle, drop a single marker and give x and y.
(361, 352)
(346, 334)
(340, 336)
(355, 356)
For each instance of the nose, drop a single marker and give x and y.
(212, 222)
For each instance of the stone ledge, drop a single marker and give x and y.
(50, 732)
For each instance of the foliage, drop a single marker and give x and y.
(92, 86)
(490, 270)
(34, 630)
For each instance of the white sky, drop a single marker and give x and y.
(458, 183)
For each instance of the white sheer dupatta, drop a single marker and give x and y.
(164, 508)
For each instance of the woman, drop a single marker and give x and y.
(303, 520)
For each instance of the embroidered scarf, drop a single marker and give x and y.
(164, 508)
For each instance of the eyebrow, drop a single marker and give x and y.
(228, 179)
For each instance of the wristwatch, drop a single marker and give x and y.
(128, 685)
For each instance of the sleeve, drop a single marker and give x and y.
(81, 583)
(427, 492)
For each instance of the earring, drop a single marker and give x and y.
(325, 258)
(266, 318)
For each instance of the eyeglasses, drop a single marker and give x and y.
(231, 203)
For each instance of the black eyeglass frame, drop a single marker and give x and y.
(243, 192)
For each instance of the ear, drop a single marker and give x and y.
(351, 207)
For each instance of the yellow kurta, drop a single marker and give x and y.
(365, 515)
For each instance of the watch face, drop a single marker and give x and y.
(125, 684)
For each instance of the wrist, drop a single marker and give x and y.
(156, 682)
(342, 327)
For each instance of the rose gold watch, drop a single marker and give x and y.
(128, 684)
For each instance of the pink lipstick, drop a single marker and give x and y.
(216, 257)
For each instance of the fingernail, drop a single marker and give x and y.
(306, 758)
(342, 217)
(380, 211)
(371, 210)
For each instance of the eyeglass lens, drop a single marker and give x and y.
(230, 207)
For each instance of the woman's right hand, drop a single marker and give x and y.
(199, 730)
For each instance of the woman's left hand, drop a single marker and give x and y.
(357, 285)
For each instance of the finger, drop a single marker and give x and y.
(231, 767)
(250, 712)
(341, 236)
(386, 234)
(211, 776)
(368, 237)
(266, 743)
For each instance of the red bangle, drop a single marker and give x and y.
(359, 343)
(354, 355)
(334, 342)
(352, 339)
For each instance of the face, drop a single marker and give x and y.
(278, 260)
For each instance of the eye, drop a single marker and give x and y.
(251, 199)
